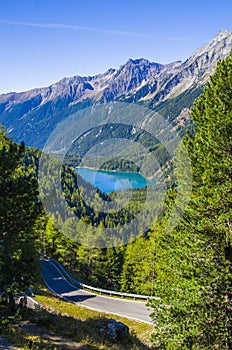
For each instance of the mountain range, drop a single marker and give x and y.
(169, 89)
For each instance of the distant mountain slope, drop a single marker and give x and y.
(170, 89)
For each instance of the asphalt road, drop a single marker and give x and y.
(57, 283)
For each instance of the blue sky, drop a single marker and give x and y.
(43, 41)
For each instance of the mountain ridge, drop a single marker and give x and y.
(138, 80)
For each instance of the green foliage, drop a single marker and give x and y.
(18, 212)
(138, 268)
(120, 164)
(194, 261)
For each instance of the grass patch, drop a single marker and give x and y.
(73, 323)
(73, 329)
(82, 324)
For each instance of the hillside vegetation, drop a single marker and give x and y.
(189, 268)
(193, 263)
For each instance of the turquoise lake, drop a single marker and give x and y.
(109, 181)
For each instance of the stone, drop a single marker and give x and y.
(114, 330)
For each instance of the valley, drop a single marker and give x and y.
(124, 178)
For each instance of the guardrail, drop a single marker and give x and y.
(94, 289)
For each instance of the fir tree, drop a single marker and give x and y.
(18, 212)
(194, 262)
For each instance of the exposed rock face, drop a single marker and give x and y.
(27, 113)
(198, 68)
(114, 330)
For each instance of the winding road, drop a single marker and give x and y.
(59, 285)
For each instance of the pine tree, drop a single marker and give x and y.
(112, 268)
(194, 261)
(18, 212)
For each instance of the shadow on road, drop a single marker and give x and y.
(77, 297)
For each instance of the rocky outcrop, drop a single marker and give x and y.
(114, 330)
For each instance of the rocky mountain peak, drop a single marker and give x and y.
(222, 34)
(141, 65)
(197, 69)
(138, 62)
(223, 39)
